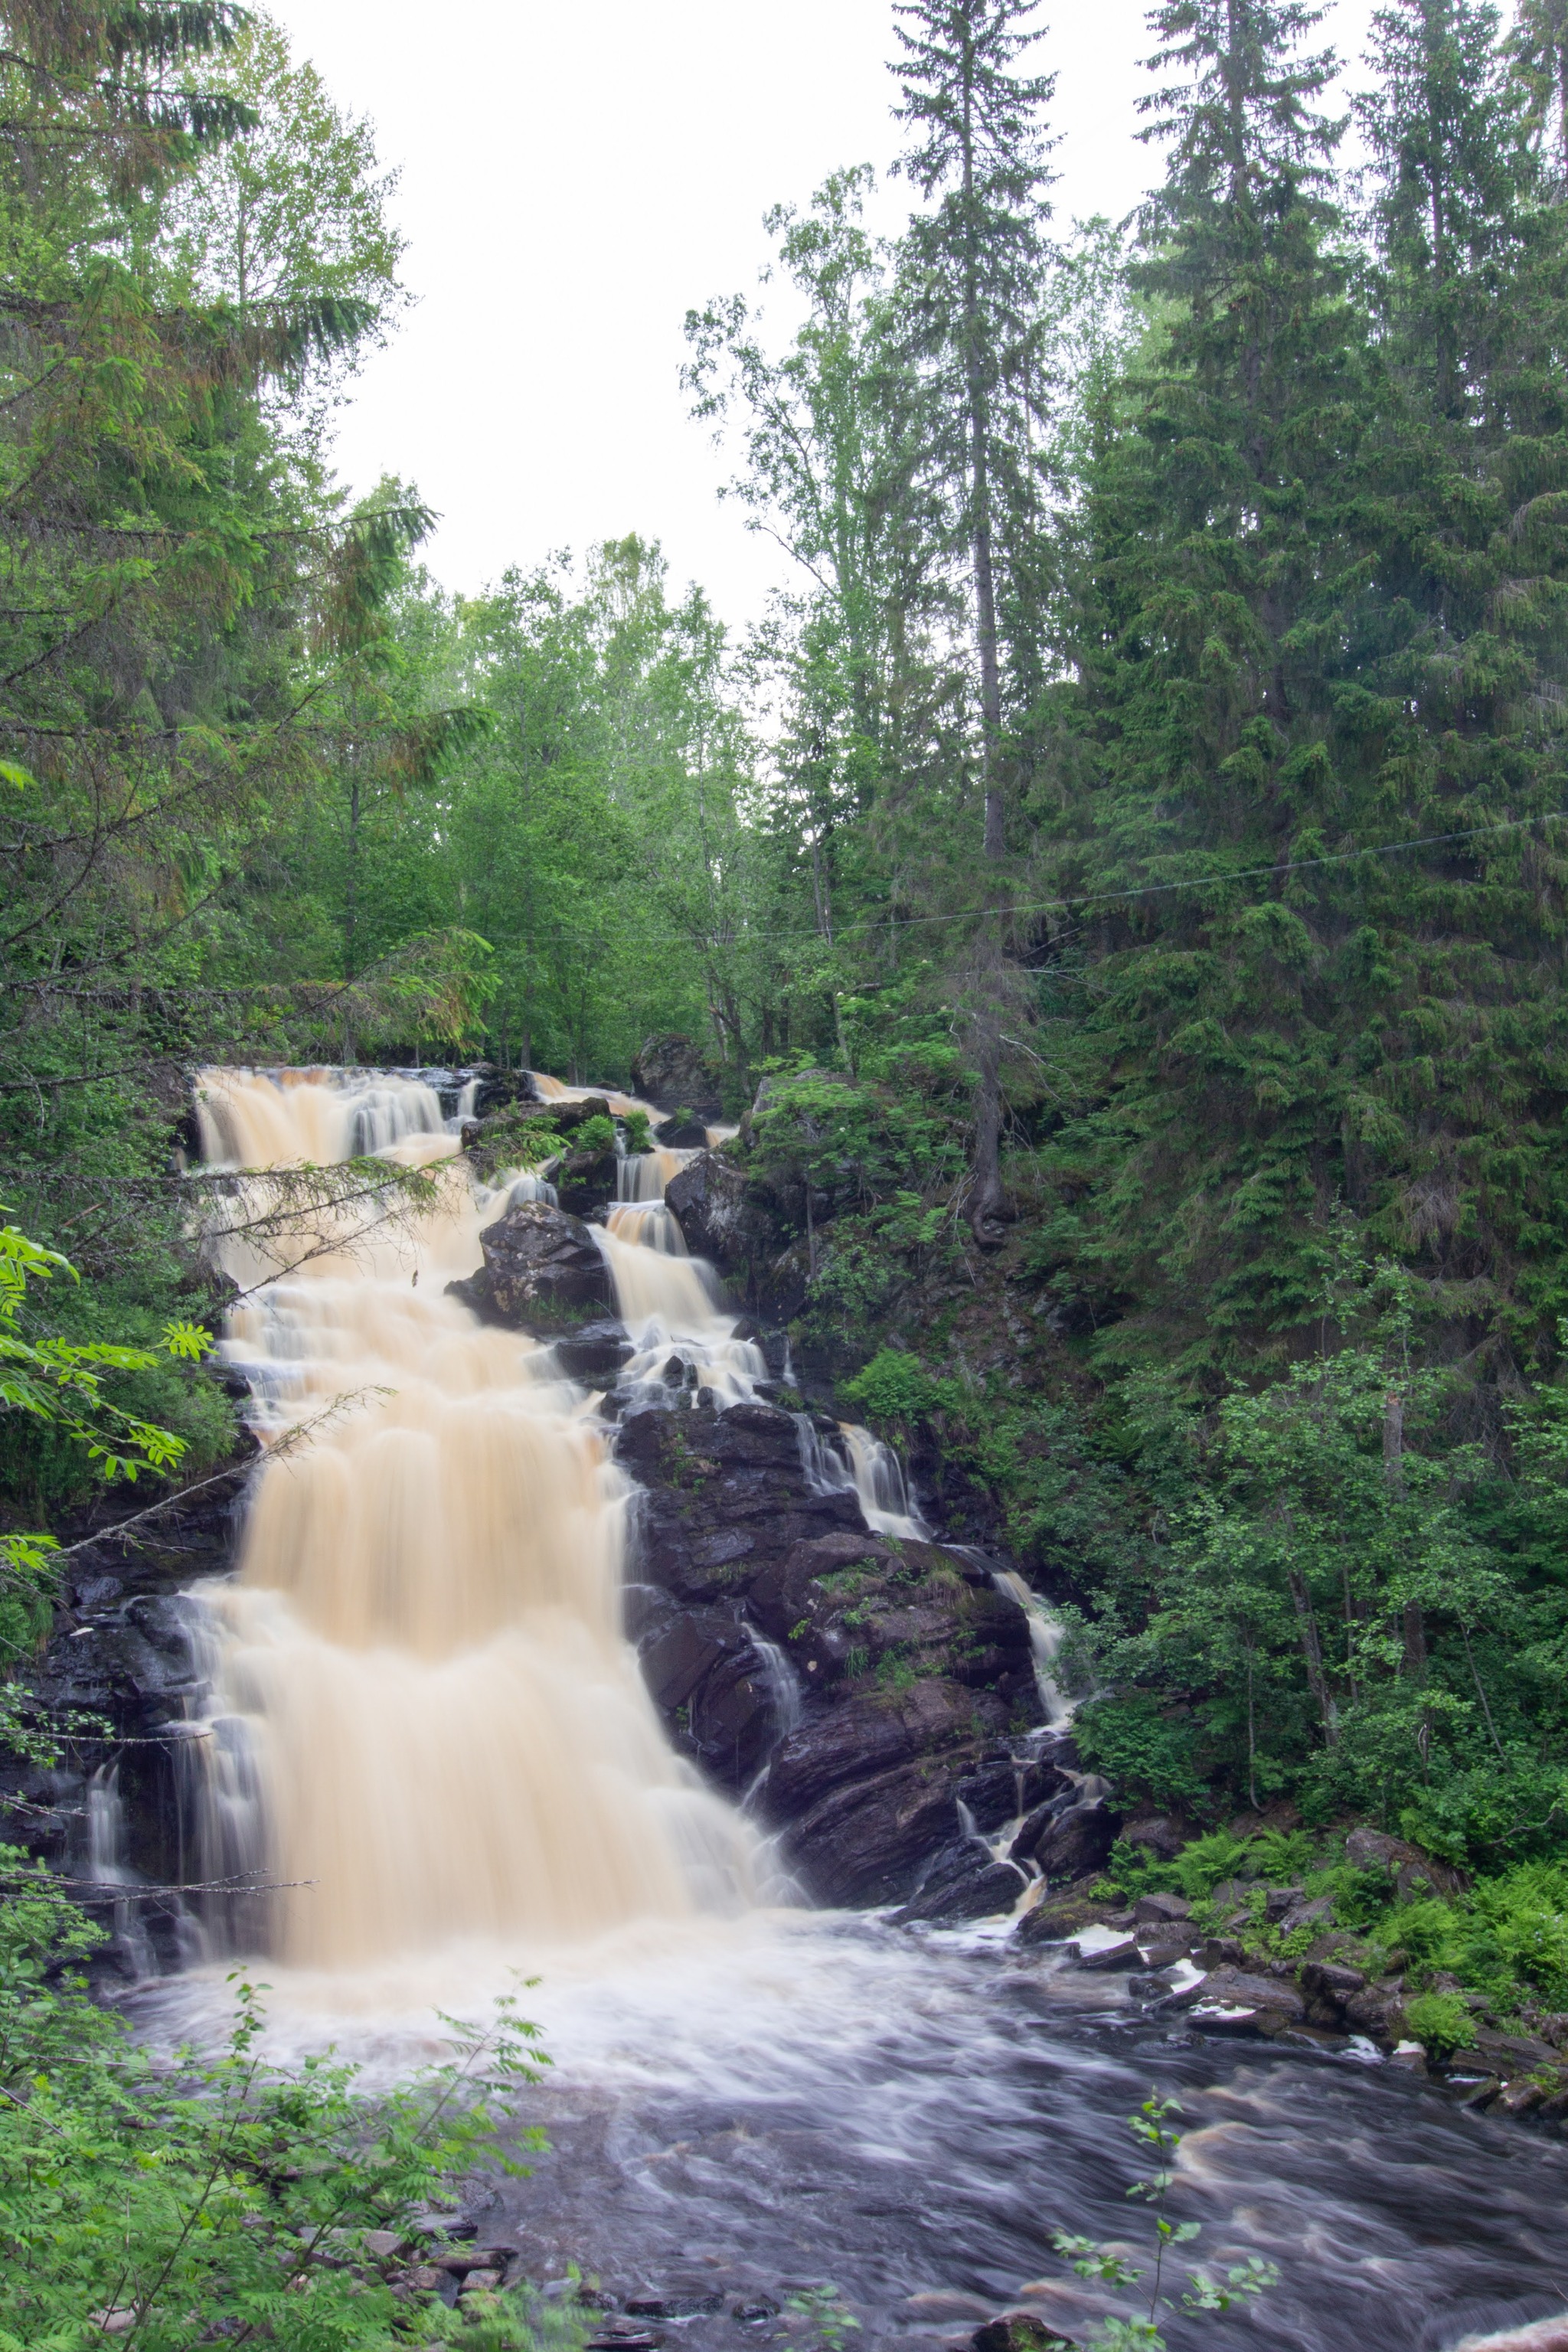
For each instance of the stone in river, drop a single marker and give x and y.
(1020, 2331)
(595, 1352)
(542, 1268)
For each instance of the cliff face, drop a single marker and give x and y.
(858, 1688)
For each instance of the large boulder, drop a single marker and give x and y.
(543, 1270)
(1068, 1843)
(880, 1685)
(868, 1789)
(963, 1881)
(1413, 1872)
(673, 1074)
(719, 1213)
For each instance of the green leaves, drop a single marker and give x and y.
(1151, 2126)
(225, 2192)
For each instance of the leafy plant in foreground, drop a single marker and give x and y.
(166, 2202)
(1204, 2292)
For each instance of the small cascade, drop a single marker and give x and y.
(668, 1300)
(647, 1175)
(622, 1106)
(855, 1462)
(879, 1478)
(783, 1682)
(528, 1186)
(1047, 1633)
(106, 1866)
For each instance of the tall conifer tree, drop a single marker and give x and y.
(974, 265)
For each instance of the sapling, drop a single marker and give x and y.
(1203, 2292)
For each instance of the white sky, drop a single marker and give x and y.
(575, 179)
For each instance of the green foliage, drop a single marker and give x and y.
(594, 1134)
(1441, 2022)
(824, 2313)
(896, 1390)
(1240, 2283)
(222, 2194)
(1135, 1744)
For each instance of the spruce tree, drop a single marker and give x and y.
(1220, 518)
(974, 265)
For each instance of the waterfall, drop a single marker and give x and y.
(420, 1663)
(1045, 1636)
(668, 1300)
(106, 1866)
(860, 1464)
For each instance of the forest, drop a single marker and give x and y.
(1128, 850)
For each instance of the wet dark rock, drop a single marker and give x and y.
(1076, 1843)
(499, 1088)
(1331, 1980)
(1057, 1918)
(1412, 1871)
(1378, 2010)
(1162, 1834)
(1314, 1914)
(543, 1268)
(1279, 1901)
(1162, 1909)
(462, 2262)
(586, 1180)
(125, 1649)
(764, 1610)
(867, 1788)
(1502, 2051)
(673, 2306)
(682, 1135)
(1238, 1989)
(1007, 1787)
(963, 1881)
(674, 1074)
(594, 1352)
(722, 1216)
(1020, 2331)
(1110, 1959)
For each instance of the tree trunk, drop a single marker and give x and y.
(1313, 1652)
(988, 1201)
(1413, 1622)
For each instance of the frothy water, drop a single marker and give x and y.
(422, 1653)
(424, 1705)
(779, 2100)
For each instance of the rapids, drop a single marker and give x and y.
(424, 1708)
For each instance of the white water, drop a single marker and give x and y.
(422, 1660)
(427, 1726)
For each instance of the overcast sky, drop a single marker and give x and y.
(573, 179)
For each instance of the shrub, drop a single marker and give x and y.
(173, 2206)
(1441, 2021)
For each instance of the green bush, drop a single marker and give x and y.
(896, 1390)
(1129, 1740)
(172, 2206)
(596, 1134)
(1442, 2022)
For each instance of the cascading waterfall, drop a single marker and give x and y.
(420, 1665)
(426, 1725)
